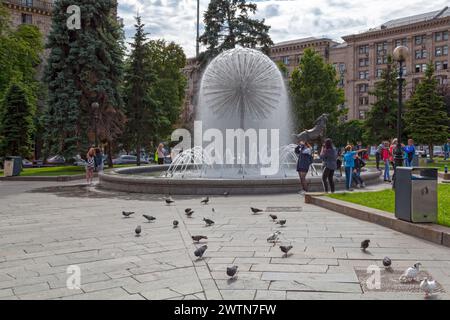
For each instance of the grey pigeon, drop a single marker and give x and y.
(187, 210)
(149, 218)
(285, 249)
(138, 231)
(387, 262)
(175, 223)
(281, 222)
(365, 244)
(411, 273)
(273, 216)
(231, 271)
(428, 286)
(205, 200)
(127, 214)
(208, 222)
(200, 251)
(274, 236)
(169, 201)
(198, 238)
(255, 210)
(213, 210)
(189, 214)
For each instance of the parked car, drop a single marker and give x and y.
(78, 161)
(128, 159)
(27, 163)
(56, 160)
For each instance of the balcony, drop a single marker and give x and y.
(32, 4)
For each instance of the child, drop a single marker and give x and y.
(356, 176)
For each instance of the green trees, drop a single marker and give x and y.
(314, 91)
(85, 66)
(228, 23)
(381, 121)
(426, 116)
(16, 121)
(348, 132)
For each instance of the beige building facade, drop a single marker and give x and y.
(360, 60)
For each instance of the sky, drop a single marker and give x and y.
(175, 20)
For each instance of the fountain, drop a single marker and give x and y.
(245, 145)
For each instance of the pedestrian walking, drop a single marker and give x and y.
(329, 158)
(305, 159)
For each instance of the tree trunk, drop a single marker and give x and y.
(110, 162)
(430, 150)
(138, 154)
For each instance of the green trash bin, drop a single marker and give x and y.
(13, 166)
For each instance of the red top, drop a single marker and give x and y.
(386, 154)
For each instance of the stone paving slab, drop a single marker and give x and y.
(41, 238)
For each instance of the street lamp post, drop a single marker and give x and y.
(95, 107)
(400, 55)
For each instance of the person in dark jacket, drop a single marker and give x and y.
(329, 158)
(98, 159)
(305, 159)
(356, 177)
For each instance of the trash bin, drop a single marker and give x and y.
(13, 166)
(416, 194)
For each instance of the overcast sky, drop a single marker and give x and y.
(174, 20)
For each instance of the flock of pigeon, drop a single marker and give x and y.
(410, 275)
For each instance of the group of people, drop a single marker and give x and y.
(94, 162)
(385, 152)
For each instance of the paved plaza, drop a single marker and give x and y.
(46, 227)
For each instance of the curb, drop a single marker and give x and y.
(46, 178)
(444, 176)
(431, 232)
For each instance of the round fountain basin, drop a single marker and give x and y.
(148, 179)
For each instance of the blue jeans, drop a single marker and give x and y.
(348, 177)
(446, 155)
(386, 170)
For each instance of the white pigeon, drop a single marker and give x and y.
(428, 286)
(274, 236)
(411, 273)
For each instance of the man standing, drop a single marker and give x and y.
(447, 149)
(410, 151)
(378, 155)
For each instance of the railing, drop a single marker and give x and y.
(36, 4)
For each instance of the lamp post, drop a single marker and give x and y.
(95, 107)
(197, 43)
(400, 55)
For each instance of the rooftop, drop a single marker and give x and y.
(301, 40)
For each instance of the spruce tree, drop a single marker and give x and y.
(16, 122)
(84, 66)
(228, 24)
(314, 91)
(381, 121)
(426, 116)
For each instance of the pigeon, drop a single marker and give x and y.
(273, 216)
(274, 236)
(285, 249)
(127, 214)
(187, 210)
(205, 200)
(365, 244)
(149, 218)
(231, 271)
(387, 262)
(138, 231)
(169, 200)
(428, 286)
(189, 214)
(411, 273)
(208, 221)
(198, 238)
(200, 251)
(255, 210)
(175, 223)
(281, 222)
(213, 210)
(226, 194)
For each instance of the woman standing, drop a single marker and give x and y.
(98, 160)
(386, 157)
(161, 153)
(329, 158)
(90, 165)
(304, 152)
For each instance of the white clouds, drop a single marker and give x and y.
(175, 20)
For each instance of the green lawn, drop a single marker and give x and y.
(58, 171)
(384, 200)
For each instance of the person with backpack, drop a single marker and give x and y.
(329, 158)
(410, 152)
(305, 159)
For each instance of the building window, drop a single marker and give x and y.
(379, 73)
(364, 49)
(363, 101)
(364, 62)
(342, 67)
(421, 67)
(438, 51)
(363, 88)
(438, 65)
(27, 18)
(285, 60)
(362, 114)
(441, 36)
(418, 40)
(27, 3)
(421, 54)
(382, 59)
(401, 42)
(364, 75)
(382, 47)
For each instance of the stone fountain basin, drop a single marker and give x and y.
(135, 180)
